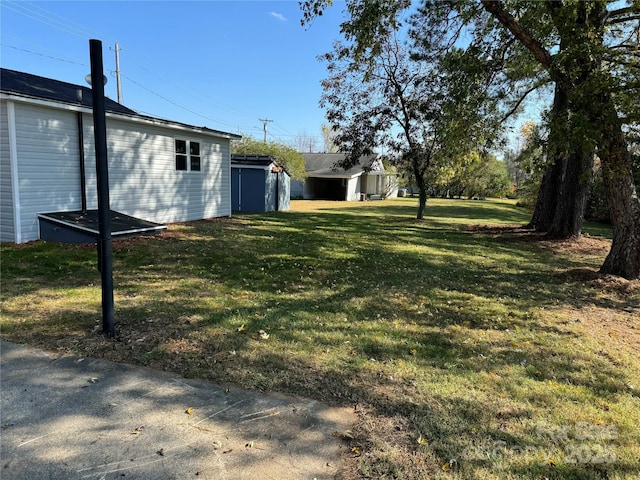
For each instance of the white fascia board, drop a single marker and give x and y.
(42, 102)
(120, 116)
(327, 175)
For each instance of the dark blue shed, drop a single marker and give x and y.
(258, 184)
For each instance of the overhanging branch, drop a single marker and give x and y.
(496, 8)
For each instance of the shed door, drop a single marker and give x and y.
(248, 190)
(235, 189)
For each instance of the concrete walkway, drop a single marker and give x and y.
(82, 418)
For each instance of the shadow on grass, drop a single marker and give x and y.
(348, 298)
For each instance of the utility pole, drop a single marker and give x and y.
(118, 73)
(265, 121)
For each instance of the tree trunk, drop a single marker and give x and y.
(624, 206)
(419, 166)
(562, 197)
(549, 190)
(422, 197)
(547, 198)
(572, 199)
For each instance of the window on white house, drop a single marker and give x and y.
(194, 156)
(188, 155)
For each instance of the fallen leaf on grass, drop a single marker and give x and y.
(421, 440)
(263, 335)
(448, 467)
(241, 328)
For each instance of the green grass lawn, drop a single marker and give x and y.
(467, 351)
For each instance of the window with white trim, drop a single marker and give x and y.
(188, 157)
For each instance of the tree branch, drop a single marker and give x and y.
(613, 21)
(520, 100)
(496, 8)
(623, 11)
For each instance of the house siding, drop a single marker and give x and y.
(7, 224)
(48, 166)
(353, 189)
(143, 181)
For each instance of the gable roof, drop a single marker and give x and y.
(324, 165)
(30, 86)
(19, 83)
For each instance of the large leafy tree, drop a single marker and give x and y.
(288, 157)
(402, 103)
(586, 50)
(381, 103)
(592, 94)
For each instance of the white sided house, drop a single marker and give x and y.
(159, 171)
(326, 181)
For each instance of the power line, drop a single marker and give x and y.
(43, 55)
(47, 17)
(183, 107)
(176, 103)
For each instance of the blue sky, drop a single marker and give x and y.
(220, 64)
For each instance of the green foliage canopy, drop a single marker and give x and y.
(286, 156)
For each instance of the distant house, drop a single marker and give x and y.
(325, 181)
(258, 184)
(159, 170)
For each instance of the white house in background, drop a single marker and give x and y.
(159, 170)
(325, 181)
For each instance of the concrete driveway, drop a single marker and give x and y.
(82, 418)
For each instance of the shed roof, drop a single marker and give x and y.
(324, 165)
(258, 160)
(28, 86)
(238, 159)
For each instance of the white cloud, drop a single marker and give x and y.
(278, 16)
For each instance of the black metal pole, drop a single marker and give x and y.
(102, 173)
